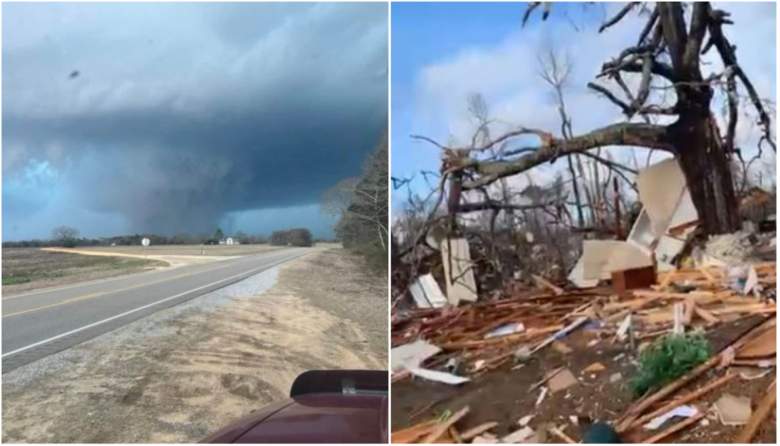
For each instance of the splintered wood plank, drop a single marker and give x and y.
(442, 427)
(763, 345)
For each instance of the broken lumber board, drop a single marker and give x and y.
(413, 433)
(560, 434)
(706, 315)
(478, 430)
(672, 295)
(442, 427)
(763, 345)
(691, 396)
(763, 410)
(636, 410)
(541, 282)
(675, 428)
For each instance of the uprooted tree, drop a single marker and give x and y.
(667, 56)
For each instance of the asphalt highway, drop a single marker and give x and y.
(40, 323)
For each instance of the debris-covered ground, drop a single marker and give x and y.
(507, 373)
(665, 336)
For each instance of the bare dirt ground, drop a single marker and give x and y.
(503, 395)
(26, 269)
(178, 376)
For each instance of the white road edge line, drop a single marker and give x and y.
(117, 278)
(94, 324)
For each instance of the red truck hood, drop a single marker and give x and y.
(313, 418)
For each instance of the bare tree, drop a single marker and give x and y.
(66, 235)
(667, 56)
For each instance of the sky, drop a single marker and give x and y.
(444, 52)
(183, 117)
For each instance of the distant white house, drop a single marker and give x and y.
(145, 241)
(228, 241)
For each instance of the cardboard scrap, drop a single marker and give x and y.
(595, 367)
(733, 410)
(562, 380)
(561, 347)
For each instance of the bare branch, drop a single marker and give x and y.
(624, 134)
(618, 17)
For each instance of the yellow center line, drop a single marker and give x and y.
(103, 293)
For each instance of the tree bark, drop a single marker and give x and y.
(707, 169)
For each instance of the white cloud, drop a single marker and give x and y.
(507, 76)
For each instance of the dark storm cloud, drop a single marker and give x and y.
(180, 114)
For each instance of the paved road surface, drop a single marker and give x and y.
(40, 323)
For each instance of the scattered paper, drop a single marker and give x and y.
(679, 411)
(442, 377)
(507, 329)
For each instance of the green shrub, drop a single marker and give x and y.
(668, 358)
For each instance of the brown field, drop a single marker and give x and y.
(29, 268)
(184, 250)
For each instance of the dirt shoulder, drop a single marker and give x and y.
(179, 376)
(26, 269)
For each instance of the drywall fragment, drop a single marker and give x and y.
(458, 272)
(426, 292)
(601, 257)
(411, 355)
(577, 276)
(661, 187)
(442, 377)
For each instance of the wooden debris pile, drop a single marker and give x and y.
(464, 342)
(531, 318)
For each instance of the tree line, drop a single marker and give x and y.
(69, 237)
(360, 204)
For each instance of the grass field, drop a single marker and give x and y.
(29, 268)
(185, 250)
